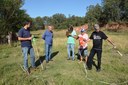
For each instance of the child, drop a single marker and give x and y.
(83, 39)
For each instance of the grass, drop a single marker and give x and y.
(60, 71)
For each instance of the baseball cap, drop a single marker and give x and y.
(83, 30)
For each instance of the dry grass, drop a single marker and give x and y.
(60, 71)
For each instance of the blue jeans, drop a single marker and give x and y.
(48, 51)
(70, 47)
(25, 51)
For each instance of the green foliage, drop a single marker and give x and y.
(109, 11)
(59, 21)
(61, 71)
(11, 16)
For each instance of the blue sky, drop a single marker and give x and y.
(50, 7)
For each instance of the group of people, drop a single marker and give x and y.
(97, 36)
(26, 44)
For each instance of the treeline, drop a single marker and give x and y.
(12, 16)
(109, 11)
(59, 21)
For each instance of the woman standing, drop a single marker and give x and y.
(71, 34)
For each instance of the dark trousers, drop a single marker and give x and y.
(90, 58)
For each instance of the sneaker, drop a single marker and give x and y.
(68, 59)
(33, 68)
(98, 70)
(47, 61)
(28, 71)
(50, 60)
(73, 59)
(88, 68)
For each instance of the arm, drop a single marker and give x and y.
(43, 36)
(20, 34)
(76, 37)
(22, 39)
(111, 42)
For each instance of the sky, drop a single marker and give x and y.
(43, 8)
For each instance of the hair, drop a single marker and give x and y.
(70, 29)
(26, 23)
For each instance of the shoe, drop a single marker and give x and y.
(68, 59)
(98, 70)
(88, 68)
(33, 68)
(50, 60)
(47, 61)
(27, 71)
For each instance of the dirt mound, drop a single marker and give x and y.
(116, 26)
(85, 26)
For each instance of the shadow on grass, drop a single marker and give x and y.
(42, 58)
(93, 62)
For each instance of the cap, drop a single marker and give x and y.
(83, 30)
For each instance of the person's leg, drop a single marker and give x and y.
(68, 50)
(90, 59)
(99, 54)
(50, 52)
(32, 56)
(25, 56)
(80, 53)
(73, 51)
(46, 52)
(86, 55)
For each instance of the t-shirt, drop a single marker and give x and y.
(25, 33)
(82, 40)
(48, 37)
(71, 39)
(98, 39)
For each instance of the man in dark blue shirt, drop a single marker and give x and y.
(97, 36)
(25, 37)
(48, 37)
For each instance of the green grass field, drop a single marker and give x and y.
(61, 71)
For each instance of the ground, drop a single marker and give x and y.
(61, 71)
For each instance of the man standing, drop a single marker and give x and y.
(97, 36)
(48, 37)
(25, 37)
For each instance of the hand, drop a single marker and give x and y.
(114, 47)
(84, 40)
(30, 38)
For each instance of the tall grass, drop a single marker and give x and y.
(60, 71)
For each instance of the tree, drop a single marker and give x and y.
(58, 19)
(11, 16)
(38, 23)
(93, 14)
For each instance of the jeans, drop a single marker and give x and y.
(25, 51)
(48, 51)
(70, 47)
(90, 58)
(83, 52)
